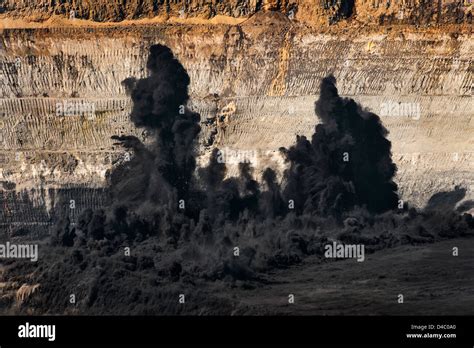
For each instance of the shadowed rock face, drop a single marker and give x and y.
(253, 85)
(307, 11)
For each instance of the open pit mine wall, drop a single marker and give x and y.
(312, 12)
(254, 87)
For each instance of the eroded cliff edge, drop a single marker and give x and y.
(310, 12)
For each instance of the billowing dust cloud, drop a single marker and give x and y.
(181, 225)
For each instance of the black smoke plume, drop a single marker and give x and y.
(183, 224)
(160, 173)
(347, 163)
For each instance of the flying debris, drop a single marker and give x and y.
(169, 225)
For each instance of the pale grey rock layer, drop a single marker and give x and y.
(255, 88)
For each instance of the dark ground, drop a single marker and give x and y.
(432, 281)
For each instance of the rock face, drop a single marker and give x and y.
(254, 85)
(307, 11)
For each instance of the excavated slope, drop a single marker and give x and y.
(254, 85)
